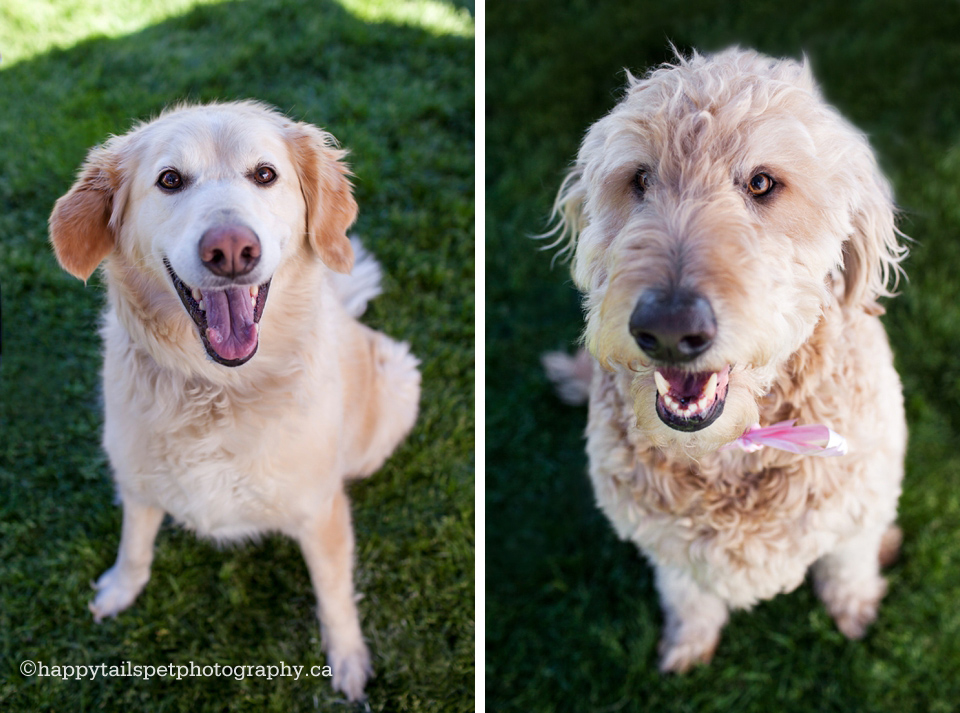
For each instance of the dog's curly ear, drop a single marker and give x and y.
(331, 207)
(872, 254)
(85, 221)
(567, 217)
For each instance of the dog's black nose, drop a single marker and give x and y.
(230, 250)
(673, 326)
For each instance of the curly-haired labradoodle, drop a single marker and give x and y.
(731, 234)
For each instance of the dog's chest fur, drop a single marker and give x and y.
(199, 450)
(746, 526)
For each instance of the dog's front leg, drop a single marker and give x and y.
(120, 585)
(693, 620)
(327, 545)
(848, 579)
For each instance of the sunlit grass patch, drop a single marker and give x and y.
(435, 16)
(32, 27)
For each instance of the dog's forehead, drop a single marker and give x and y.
(205, 139)
(670, 125)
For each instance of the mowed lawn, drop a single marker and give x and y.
(393, 81)
(572, 614)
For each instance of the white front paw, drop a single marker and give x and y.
(853, 605)
(116, 590)
(351, 670)
(678, 654)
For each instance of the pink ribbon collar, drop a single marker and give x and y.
(813, 440)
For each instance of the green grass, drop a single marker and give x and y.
(572, 615)
(394, 82)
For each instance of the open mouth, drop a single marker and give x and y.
(228, 320)
(690, 401)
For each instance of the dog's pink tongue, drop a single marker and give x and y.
(230, 327)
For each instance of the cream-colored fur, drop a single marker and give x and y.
(793, 281)
(266, 446)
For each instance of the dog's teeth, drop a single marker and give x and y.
(196, 294)
(254, 291)
(203, 307)
(253, 301)
(663, 388)
(711, 389)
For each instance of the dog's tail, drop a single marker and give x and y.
(570, 375)
(362, 284)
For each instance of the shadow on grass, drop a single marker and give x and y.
(401, 99)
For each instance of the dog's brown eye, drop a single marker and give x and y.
(641, 181)
(170, 180)
(264, 175)
(760, 185)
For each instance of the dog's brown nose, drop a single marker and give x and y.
(673, 326)
(230, 250)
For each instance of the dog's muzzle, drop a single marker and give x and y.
(228, 318)
(674, 327)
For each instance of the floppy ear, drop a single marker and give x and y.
(872, 254)
(84, 222)
(331, 208)
(566, 216)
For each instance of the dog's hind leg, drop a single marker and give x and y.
(848, 579)
(382, 396)
(570, 375)
(693, 620)
(327, 546)
(120, 585)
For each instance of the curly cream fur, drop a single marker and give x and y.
(793, 282)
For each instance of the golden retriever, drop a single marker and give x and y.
(240, 391)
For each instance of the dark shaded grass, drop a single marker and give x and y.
(401, 99)
(572, 615)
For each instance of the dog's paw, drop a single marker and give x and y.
(855, 612)
(678, 654)
(116, 590)
(570, 375)
(351, 670)
(853, 607)
(890, 546)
